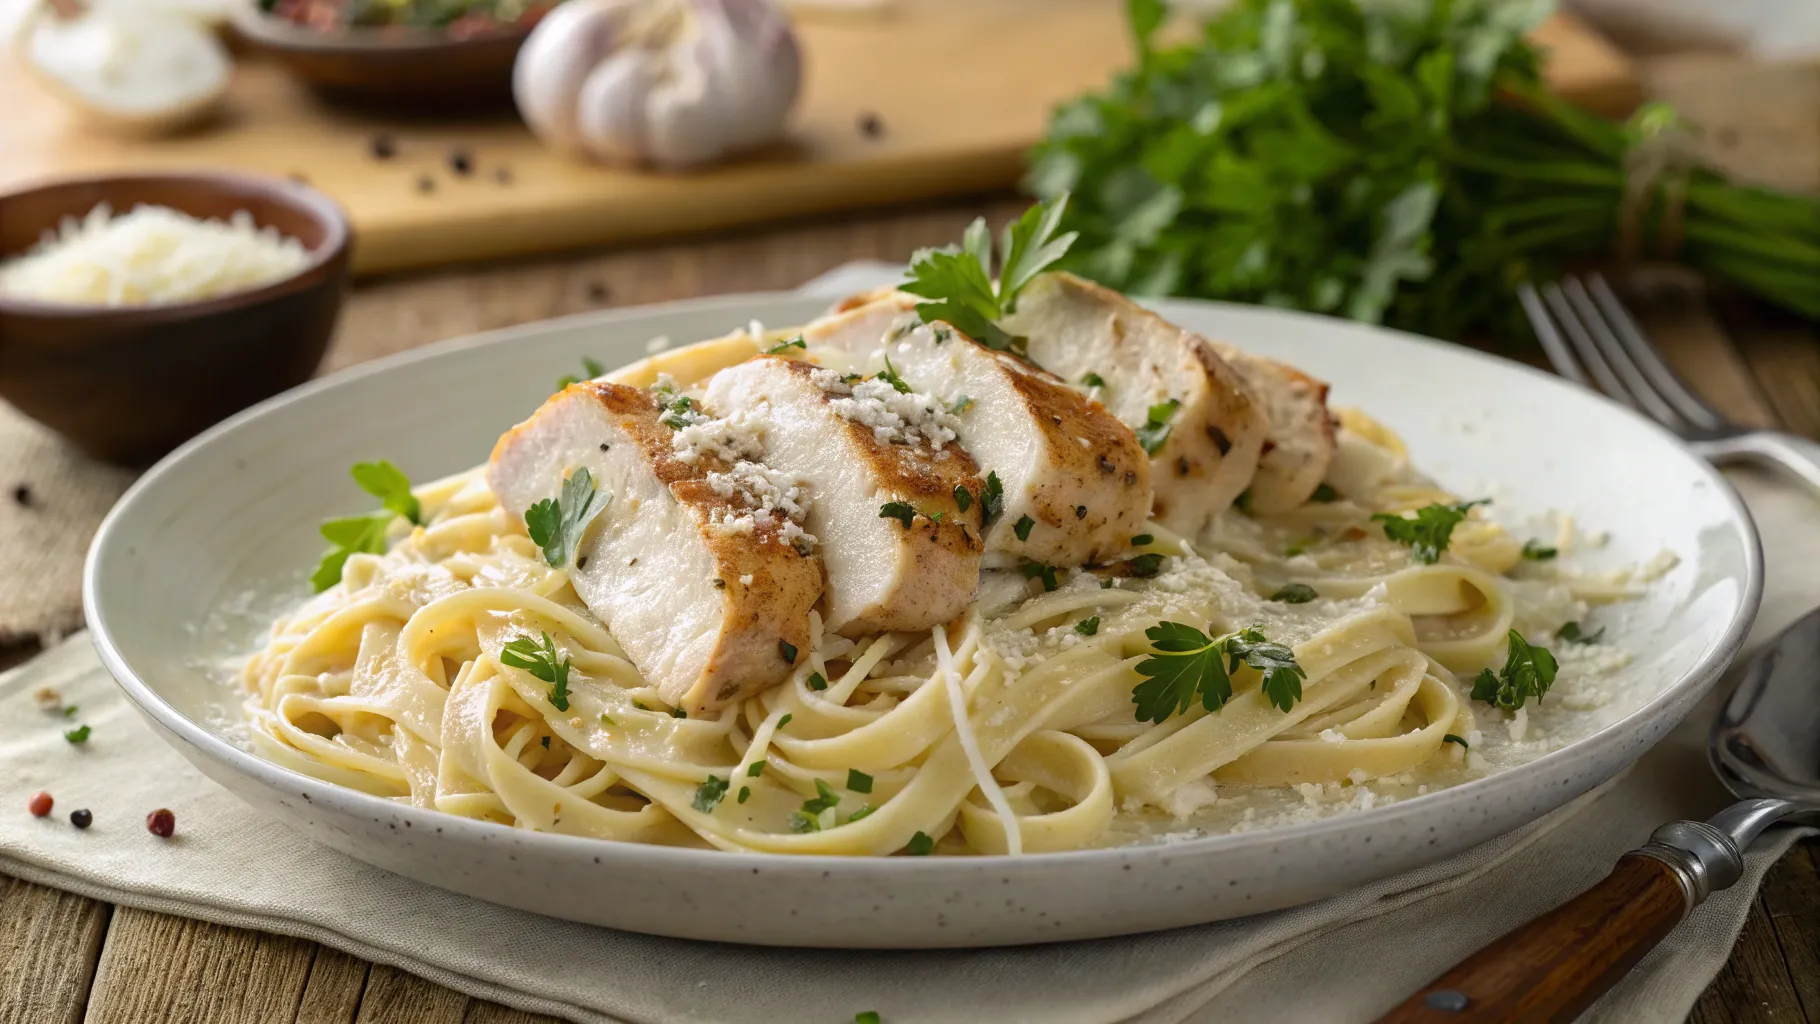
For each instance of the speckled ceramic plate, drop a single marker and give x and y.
(197, 556)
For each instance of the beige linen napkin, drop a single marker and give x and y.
(1343, 959)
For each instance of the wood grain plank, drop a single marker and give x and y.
(483, 1012)
(1784, 353)
(1791, 893)
(332, 993)
(49, 942)
(397, 997)
(1754, 986)
(1675, 312)
(163, 969)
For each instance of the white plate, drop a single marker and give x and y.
(228, 522)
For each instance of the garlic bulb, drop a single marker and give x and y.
(143, 69)
(672, 83)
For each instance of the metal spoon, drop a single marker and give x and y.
(1765, 747)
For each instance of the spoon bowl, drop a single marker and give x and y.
(1766, 740)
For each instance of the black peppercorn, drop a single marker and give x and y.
(81, 818)
(870, 126)
(382, 147)
(460, 162)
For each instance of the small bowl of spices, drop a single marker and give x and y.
(136, 311)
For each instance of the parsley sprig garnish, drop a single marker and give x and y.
(557, 524)
(1188, 665)
(591, 367)
(1429, 531)
(366, 534)
(544, 662)
(959, 284)
(1528, 672)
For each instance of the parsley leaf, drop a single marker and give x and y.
(1088, 627)
(867, 1017)
(1571, 632)
(1429, 531)
(858, 781)
(1093, 380)
(1528, 672)
(557, 525)
(963, 498)
(1187, 664)
(1036, 570)
(960, 405)
(920, 845)
(755, 769)
(1155, 431)
(366, 534)
(1022, 527)
(1536, 551)
(786, 651)
(890, 376)
(992, 500)
(590, 367)
(544, 662)
(709, 794)
(1142, 539)
(1324, 494)
(958, 281)
(1461, 740)
(78, 735)
(817, 681)
(1145, 565)
(902, 511)
(1295, 593)
(809, 818)
(785, 346)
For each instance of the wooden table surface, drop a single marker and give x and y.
(64, 958)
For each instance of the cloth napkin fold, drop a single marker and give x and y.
(1342, 959)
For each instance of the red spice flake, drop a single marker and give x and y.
(161, 823)
(39, 804)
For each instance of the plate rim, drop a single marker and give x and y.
(1699, 676)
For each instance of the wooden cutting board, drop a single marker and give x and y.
(959, 90)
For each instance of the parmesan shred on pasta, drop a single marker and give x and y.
(150, 255)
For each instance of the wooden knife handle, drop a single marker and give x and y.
(1554, 967)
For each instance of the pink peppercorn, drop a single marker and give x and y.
(161, 823)
(39, 804)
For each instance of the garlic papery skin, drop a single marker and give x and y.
(143, 69)
(668, 83)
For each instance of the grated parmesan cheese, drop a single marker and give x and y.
(150, 255)
(896, 417)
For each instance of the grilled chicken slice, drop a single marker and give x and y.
(1075, 481)
(693, 566)
(1204, 449)
(1299, 447)
(861, 446)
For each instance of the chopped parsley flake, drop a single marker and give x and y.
(1142, 539)
(1093, 380)
(544, 662)
(744, 792)
(1536, 551)
(817, 681)
(920, 845)
(1571, 632)
(709, 794)
(889, 376)
(785, 720)
(755, 769)
(1324, 494)
(678, 713)
(591, 368)
(1461, 740)
(902, 511)
(1295, 593)
(1088, 627)
(787, 651)
(1022, 527)
(1037, 570)
(963, 498)
(960, 405)
(784, 346)
(1145, 565)
(77, 735)
(992, 500)
(864, 809)
(866, 1017)
(1155, 431)
(858, 781)
(1429, 531)
(809, 818)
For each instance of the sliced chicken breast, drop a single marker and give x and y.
(1204, 447)
(695, 566)
(883, 468)
(1075, 481)
(1299, 447)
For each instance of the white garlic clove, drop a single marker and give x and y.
(673, 83)
(134, 69)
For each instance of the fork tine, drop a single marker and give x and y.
(1583, 345)
(1552, 344)
(1617, 358)
(1659, 374)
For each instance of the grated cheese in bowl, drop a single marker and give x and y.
(150, 255)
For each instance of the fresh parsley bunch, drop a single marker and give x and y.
(1389, 162)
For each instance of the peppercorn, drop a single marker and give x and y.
(23, 496)
(870, 126)
(81, 818)
(161, 823)
(383, 148)
(40, 804)
(426, 184)
(461, 163)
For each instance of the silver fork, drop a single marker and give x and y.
(1593, 341)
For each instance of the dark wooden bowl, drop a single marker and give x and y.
(129, 383)
(404, 70)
